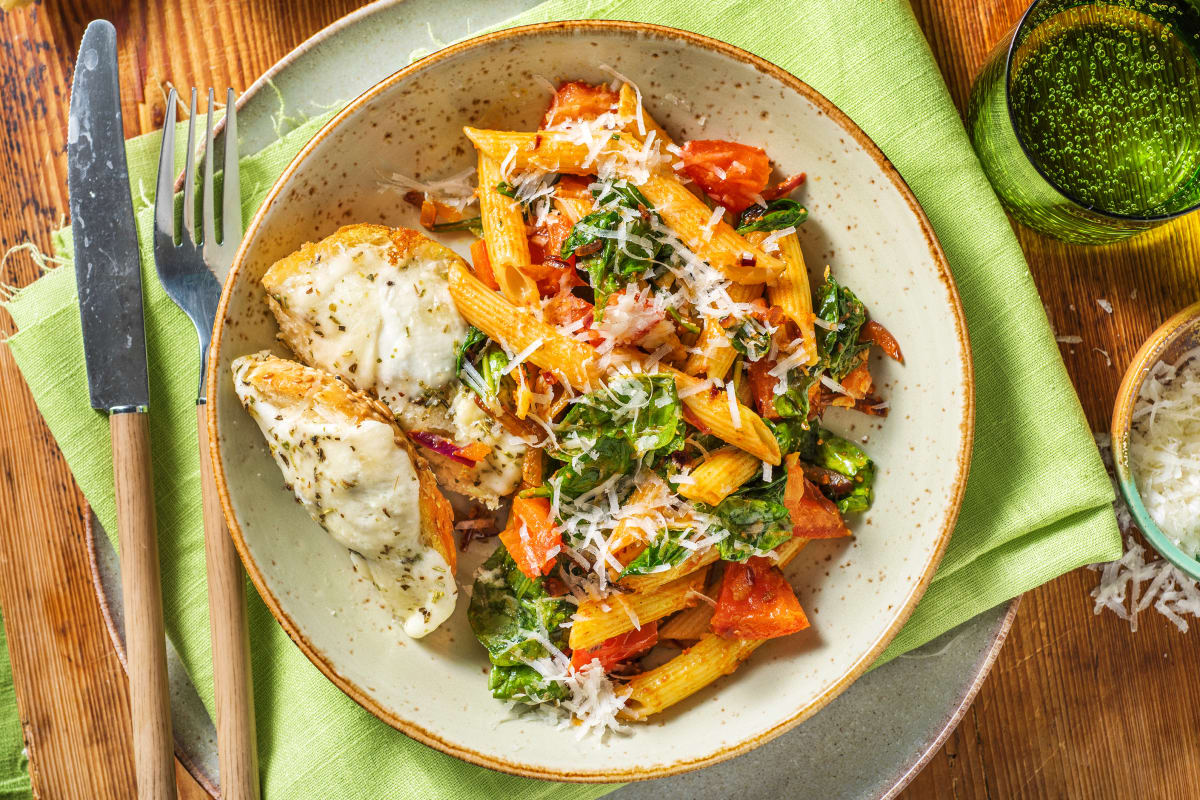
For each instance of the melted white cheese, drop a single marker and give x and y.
(387, 327)
(393, 330)
(500, 471)
(360, 485)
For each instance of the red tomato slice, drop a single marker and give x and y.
(880, 336)
(756, 602)
(565, 308)
(619, 648)
(576, 100)
(814, 516)
(731, 174)
(483, 264)
(531, 535)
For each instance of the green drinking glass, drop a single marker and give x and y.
(1086, 117)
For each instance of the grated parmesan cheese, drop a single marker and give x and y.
(1169, 591)
(1164, 449)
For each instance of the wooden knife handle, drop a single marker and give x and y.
(236, 746)
(141, 594)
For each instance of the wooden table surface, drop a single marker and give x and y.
(1077, 705)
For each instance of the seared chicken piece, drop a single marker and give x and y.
(356, 474)
(371, 305)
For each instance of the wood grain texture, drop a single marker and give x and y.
(234, 696)
(1077, 706)
(141, 598)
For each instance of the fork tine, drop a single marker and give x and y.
(231, 194)
(164, 190)
(189, 177)
(207, 200)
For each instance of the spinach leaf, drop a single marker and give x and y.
(472, 224)
(846, 458)
(594, 241)
(507, 609)
(487, 359)
(781, 213)
(751, 338)
(754, 518)
(589, 469)
(665, 550)
(524, 684)
(793, 403)
(795, 436)
(621, 193)
(644, 410)
(839, 347)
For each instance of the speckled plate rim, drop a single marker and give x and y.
(963, 457)
(1122, 419)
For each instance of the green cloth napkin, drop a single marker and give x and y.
(14, 761)
(1038, 502)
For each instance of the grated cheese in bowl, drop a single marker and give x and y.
(1164, 449)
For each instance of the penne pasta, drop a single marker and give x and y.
(714, 354)
(573, 361)
(554, 151)
(504, 233)
(593, 624)
(793, 294)
(720, 474)
(635, 120)
(698, 666)
(646, 583)
(684, 675)
(688, 625)
(714, 413)
(718, 244)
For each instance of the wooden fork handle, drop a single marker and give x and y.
(141, 594)
(236, 746)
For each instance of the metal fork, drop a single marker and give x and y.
(185, 270)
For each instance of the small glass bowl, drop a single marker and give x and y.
(1175, 337)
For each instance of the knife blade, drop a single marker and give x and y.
(107, 267)
(109, 280)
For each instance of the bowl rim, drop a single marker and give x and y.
(966, 423)
(1121, 427)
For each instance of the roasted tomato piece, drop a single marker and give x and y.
(619, 648)
(577, 100)
(756, 602)
(814, 516)
(531, 537)
(732, 174)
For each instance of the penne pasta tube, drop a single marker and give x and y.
(504, 233)
(721, 473)
(553, 151)
(698, 666)
(636, 120)
(647, 583)
(684, 675)
(688, 625)
(718, 244)
(792, 293)
(593, 624)
(573, 361)
(716, 414)
(715, 353)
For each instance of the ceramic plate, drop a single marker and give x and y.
(864, 222)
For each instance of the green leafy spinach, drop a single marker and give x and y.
(487, 359)
(781, 213)
(510, 614)
(609, 264)
(839, 347)
(846, 458)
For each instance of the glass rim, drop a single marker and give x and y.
(1008, 104)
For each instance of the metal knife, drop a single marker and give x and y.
(108, 276)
